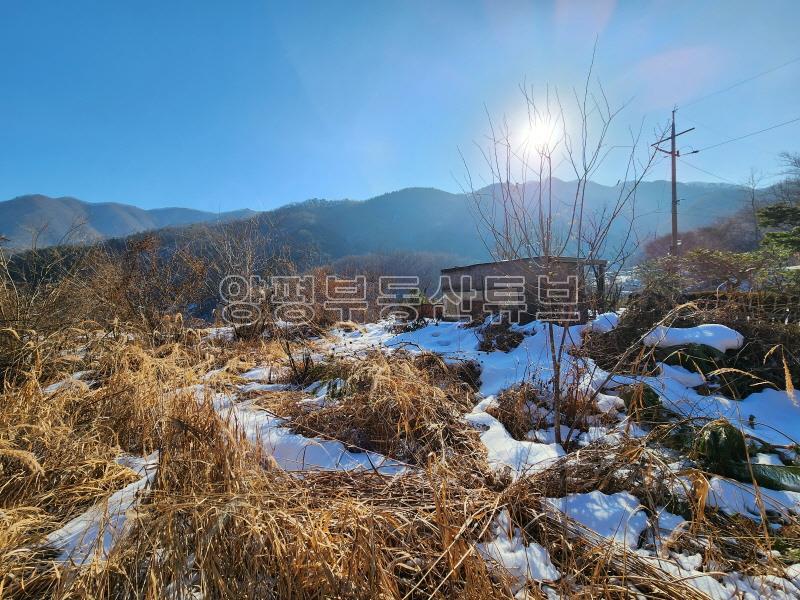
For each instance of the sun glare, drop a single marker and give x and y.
(539, 131)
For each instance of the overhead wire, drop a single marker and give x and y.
(747, 135)
(742, 82)
(696, 168)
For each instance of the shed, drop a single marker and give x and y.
(551, 288)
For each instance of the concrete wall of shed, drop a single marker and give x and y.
(474, 277)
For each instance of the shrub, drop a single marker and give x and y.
(392, 406)
(719, 444)
(641, 402)
(499, 336)
(513, 408)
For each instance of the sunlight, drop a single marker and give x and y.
(540, 132)
(420, 299)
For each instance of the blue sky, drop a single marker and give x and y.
(222, 105)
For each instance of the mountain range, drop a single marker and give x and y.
(50, 221)
(411, 219)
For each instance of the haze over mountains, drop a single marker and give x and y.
(69, 220)
(412, 219)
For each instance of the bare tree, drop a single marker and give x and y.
(519, 215)
(788, 191)
(753, 183)
(247, 250)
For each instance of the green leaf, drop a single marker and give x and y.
(694, 357)
(642, 403)
(720, 444)
(774, 477)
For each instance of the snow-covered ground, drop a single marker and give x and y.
(94, 533)
(295, 452)
(617, 517)
(522, 457)
(522, 561)
(771, 416)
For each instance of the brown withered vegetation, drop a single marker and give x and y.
(220, 519)
(514, 409)
(394, 405)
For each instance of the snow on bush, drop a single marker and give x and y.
(603, 323)
(717, 336)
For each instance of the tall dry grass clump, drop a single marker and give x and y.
(54, 464)
(515, 408)
(141, 386)
(389, 405)
(59, 445)
(222, 521)
(43, 312)
(280, 539)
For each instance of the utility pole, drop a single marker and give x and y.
(674, 157)
(674, 154)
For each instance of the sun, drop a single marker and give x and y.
(539, 131)
(543, 132)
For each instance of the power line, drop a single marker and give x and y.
(696, 168)
(704, 125)
(674, 153)
(743, 81)
(747, 135)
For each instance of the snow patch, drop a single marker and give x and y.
(295, 452)
(93, 534)
(522, 457)
(732, 497)
(68, 381)
(717, 336)
(603, 323)
(700, 581)
(768, 459)
(617, 516)
(683, 376)
(522, 561)
(499, 370)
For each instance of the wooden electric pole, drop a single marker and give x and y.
(674, 154)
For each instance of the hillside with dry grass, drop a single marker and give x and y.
(144, 456)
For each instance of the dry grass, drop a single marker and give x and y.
(499, 336)
(514, 408)
(222, 520)
(220, 517)
(443, 373)
(394, 406)
(725, 543)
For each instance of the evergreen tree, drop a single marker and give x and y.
(784, 218)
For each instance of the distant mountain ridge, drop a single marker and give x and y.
(411, 219)
(433, 220)
(53, 221)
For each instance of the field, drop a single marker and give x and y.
(400, 301)
(396, 460)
